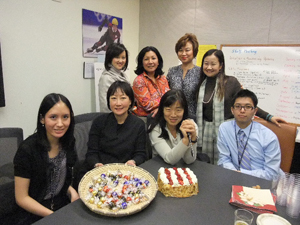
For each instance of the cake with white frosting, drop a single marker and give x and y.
(177, 182)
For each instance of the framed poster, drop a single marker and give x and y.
(99, 30)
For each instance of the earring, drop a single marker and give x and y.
(43, 125)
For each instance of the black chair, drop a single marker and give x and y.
(83, 123)
(10, 139)
(150, 153)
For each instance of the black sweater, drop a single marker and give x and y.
(110, 142)
(31, 161)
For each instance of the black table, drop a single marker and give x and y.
(209, 207)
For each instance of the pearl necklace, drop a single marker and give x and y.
(209, 98)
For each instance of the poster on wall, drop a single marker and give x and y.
(99, 30)
(2, 97)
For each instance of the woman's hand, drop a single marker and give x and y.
(72, 194)
(276, 120)
(130, 162)
(188, 126)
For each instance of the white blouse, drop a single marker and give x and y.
(174, 149)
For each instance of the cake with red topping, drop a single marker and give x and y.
(177, 182)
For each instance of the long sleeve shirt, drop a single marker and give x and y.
(107, 78)
(148, 94)
(110, 142)
(263, 147)
(232, 87)
(188, 84)
(173, 149)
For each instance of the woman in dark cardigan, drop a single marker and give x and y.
(44, 162)
(119, 136)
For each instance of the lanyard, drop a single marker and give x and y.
(237, 144)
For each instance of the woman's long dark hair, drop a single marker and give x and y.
(67, 141)
(140, 68)
(168, 99)
(222, 77)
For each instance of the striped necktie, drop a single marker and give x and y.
(243, 155)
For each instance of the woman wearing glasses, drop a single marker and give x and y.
(172, 134)
(215, 93)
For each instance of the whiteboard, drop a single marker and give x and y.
(271, 72)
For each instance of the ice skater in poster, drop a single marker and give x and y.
(109, 28)
(111, 35)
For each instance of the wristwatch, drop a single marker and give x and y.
(195, 140)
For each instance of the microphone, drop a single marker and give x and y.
(190, 143)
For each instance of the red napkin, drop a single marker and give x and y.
(252, 199)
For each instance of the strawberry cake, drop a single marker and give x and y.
(177, 182)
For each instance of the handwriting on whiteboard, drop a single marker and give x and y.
(272, 72)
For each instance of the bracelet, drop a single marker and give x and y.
(269, 117)
(195, 140)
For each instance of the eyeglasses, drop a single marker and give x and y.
(245, 107)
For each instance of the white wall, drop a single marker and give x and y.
(217, 22)
(41, 41)
(41, 45)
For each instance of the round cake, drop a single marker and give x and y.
(177, 182)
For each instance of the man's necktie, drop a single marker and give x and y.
(243, 155)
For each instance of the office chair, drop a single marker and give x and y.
(82, 128)
(286, 135)
(10, 139)
(83, 123)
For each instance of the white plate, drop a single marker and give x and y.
(271, 219)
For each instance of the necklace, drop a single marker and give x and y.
(55, 175)
(209, 98)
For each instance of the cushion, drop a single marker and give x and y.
(7, 196)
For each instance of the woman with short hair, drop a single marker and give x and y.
(119, 136)
(186, 77)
